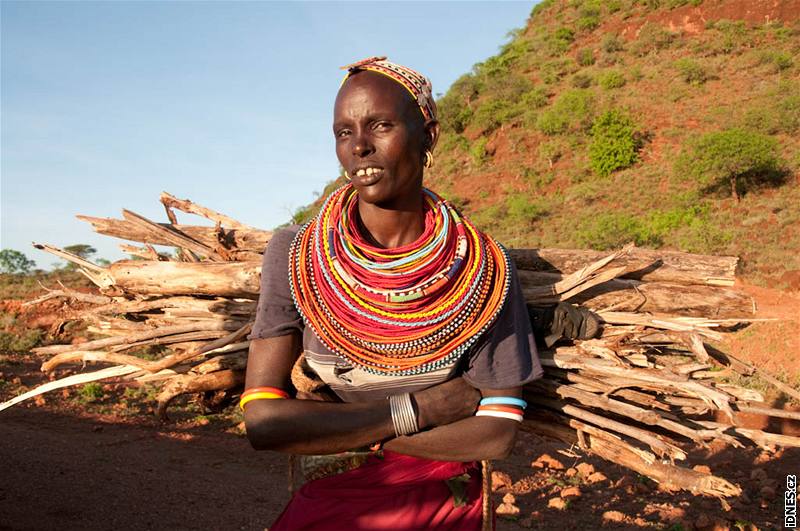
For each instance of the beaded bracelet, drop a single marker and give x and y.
(499, 414)
(504, 400)
(507, 409)
(262, 393)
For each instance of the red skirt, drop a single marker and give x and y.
(397, 492)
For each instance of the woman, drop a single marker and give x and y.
(390, 294)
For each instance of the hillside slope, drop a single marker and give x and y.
(600, 123)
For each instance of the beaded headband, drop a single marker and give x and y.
(417, 85)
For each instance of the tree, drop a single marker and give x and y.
(80, 249)
(733, 157)
(15, 262)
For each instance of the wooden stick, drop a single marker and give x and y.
(184, 205)
(246, 244)
(656, 442)
(170, 234)
(75, 379)
(133, 338)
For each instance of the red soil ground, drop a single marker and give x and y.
(66, 466)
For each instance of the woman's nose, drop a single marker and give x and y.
(362, 146)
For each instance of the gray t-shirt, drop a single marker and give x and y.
(504, 357)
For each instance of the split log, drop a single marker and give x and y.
(169, 233)
(649, 417)
(634, 296)
(244, 243)
(642, 264)
(193, 383)
(222, 279)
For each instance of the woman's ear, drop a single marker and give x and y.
(431, 133)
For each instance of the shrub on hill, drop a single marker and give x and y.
(611, 44)
(614, 145)
(572, 110)
(581, 81)
(777, 59)
(585, 57)
(691, 71)
(454, 110)
(611, 79)
(736, 157)
(652, 39)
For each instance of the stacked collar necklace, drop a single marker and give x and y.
(406, 310)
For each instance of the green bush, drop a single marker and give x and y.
(522, 209)
(478, 151)
(609, 230)
(581, 81)
(611, 79)
(91, 392)
(453, 108)
(614, 145)
(585, 57)
(781, 115)
(732, 36)
(736, 157)
(691, 71)
(535, 99)
(22, 342)
(611, 44)
(552, 71)
(493, 113)
(572, 110)
(588, 22)
(777, 59)
(560, 41)
(652, 39)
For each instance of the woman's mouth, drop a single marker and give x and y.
(367, 176)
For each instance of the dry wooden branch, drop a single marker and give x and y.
(642, 264)
(141, 336)
(170, 234)
(244, 244)
(193, 383)
(184, 205)
(69, 294)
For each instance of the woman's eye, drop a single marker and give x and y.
(383, 126)
(342, 133)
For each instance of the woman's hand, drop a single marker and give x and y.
(446, 403)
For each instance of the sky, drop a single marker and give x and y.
(104, 105)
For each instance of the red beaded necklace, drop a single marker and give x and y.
(405, 310)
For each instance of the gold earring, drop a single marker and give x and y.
(428, 158)
(346, 176)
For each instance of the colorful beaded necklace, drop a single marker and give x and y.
(406, 310)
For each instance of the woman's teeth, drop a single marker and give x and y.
(367, 171)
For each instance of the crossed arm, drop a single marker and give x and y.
(450, 432)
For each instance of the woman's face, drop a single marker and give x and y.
(381, 138)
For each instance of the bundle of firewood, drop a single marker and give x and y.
(651, 385)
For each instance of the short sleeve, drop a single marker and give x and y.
(276, 314)
(506, 356)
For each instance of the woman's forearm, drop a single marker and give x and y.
(311, 427)
(469, 439)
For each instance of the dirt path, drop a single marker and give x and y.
(63, 472)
